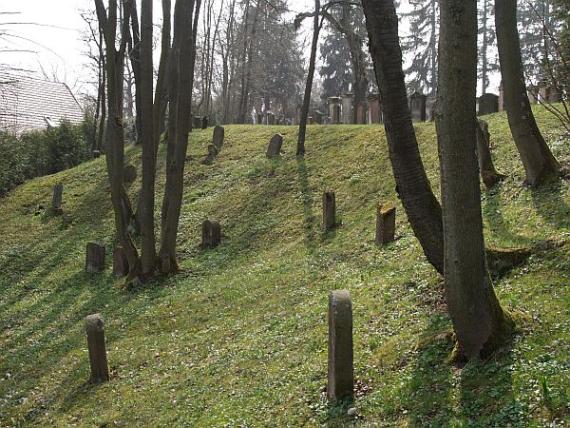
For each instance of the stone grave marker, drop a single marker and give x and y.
(120, 262)
(274, 148)
(211, 234)
(95, 329)
(218, 138)
(329, 210)
(340, 353)
(57, 199)
(95, 257)
(385, 224)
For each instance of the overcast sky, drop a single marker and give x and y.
(50, 34)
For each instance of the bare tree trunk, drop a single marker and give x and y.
(183, 56)
(114, 132)
(480, 323)
(538, 161)
(161, 91)
(135, 57)
(148, 250)
(309, 83)
(422, 208)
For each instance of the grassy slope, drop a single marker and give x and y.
(240, 336)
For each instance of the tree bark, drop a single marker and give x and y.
(309, 83)
(135, 57)
(479, 321)
(114, 135)
(148, 249)
(183, 56)
(161, 91)
(422, 208)
(538, 161)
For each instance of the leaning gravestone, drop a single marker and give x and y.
(57, 199)
(329, 210)
(129, 174)
(95, 329)
(218, 138)
(385, 224)
(211, 234)
(95, 257)
(340, 365)
(120, 262)
(274, 148)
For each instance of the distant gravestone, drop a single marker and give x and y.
(211, 234)
(347, 108)
(196, 122)
(274, 148)
(340, 353)
(205, 122)
(120, 262)
(95, 257)
(329, 210)
(488, 103)
(374, 109)
(57, 199)
(270, 118)
(95, 330)
(334, 110)
(96, 154)
(385, 224)
(418, 107)
(130, 174)
(218, 138)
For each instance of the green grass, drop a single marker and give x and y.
(239, 338)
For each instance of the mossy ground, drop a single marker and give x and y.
(239, 338)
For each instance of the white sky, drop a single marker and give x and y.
(52, 30)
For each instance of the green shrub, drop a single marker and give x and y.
(39, 153)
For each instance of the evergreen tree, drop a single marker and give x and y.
(532, 16)
(336, 72)
(422, 43)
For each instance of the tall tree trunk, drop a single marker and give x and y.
(183, 56)
(135, 57)
(114, 133)
(478, 319)
(148, 250)
(161, 91)
(309, 83)
(538, 161)
(422, 208)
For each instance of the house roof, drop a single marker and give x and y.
(28, 104)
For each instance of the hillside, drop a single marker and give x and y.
(239, 338)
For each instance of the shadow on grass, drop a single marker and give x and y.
(551, 206)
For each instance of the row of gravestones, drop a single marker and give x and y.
(212, 236)
(340, 385)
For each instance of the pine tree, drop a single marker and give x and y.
(422, 43)
(531, 18)
(336, 71)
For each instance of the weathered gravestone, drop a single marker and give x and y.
(95, 329)
(347, 108)
(334, 109)
(274, 148)
(385, 224)
(329, 210)
(95, 257)
(212, 153)
(211, 234)
(129, 174)
(340, 365)
(488, 103)
(218, 138)
(205, 122)
(418, 107)
(374, 109)
(196, 122)
(57, 199)
(120, 262)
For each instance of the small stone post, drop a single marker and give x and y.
(385, 224)
(274, 148)
(95, 329)
(218, 139)
(329, 210)
(211, 234)
(95, 258)
(120, 262)
(340, 370)
(57, 199)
